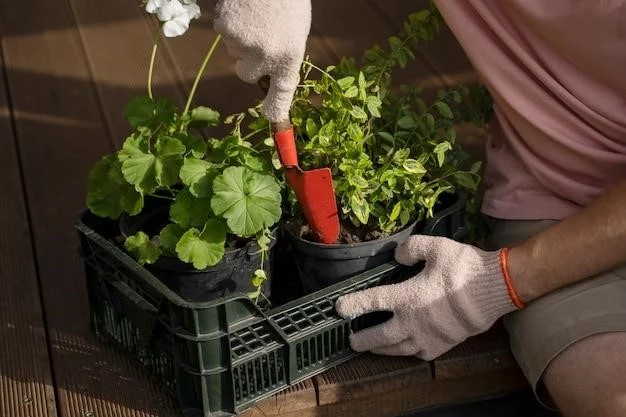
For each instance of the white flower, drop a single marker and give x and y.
(174, 14)
(153, 6)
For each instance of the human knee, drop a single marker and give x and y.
(587, 379)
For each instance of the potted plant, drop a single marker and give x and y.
(393, 155)
(199, 212)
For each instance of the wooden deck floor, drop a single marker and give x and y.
(67, 68)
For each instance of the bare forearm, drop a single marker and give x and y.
(588, 243)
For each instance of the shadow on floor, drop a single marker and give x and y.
(521, 404)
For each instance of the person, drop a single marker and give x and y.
(555, 193)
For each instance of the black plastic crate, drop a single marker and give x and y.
(220, 357)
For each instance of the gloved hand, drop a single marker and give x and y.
(267, 37)
(460, 292)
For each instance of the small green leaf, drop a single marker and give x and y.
(249, 201)
(351, 92)
(194, 144)
(405, 216)
(362, 81)
(430, 121)
(143, 111)
(466, 179)
(355, 132)
(169, 237)
(386, 136)
(358, 181)
(325, 134)
(198, 175)
(138, 165)
(205, 116)
(396, 211)
(108, 193)
(444, 109)
(373, 104)
(169, 160)
(142, 248)
(406, 122)
(345, 82)
(203, 248)
(189, 211)
(139, 111)
(413, 166)
(440, 150)
(311, 128)
(360, 208)
(258, 278)
(358, 113)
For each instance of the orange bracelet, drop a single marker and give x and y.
(504, 265)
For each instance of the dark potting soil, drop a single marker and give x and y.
(348, 233)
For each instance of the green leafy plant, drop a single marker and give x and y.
(218, 192)
(392, 154)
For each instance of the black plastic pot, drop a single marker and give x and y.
(232, 274)
(321, 265)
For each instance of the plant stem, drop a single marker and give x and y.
(152, 58)
(207, 58)
(163, 197)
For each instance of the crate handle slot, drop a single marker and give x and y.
(130, 304)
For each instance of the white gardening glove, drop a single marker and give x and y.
(267, 38)
(460, 292)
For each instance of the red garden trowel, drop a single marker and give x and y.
(314, 189)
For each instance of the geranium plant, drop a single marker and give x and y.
(392, 154)
(218, 191)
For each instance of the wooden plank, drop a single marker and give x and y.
(347, 36)
(299, 397)
(26, 387)
(118, 57)
(61, 133)
(444, 56)
(484, 353)
(368, 375)
(410, 397)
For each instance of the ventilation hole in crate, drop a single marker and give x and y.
(154, 355)
(321, 347)
(258, 376)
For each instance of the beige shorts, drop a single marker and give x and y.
(550, 324)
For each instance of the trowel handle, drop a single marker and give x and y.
(283, 134)
(285, 142)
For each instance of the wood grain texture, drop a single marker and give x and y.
(411, 396)
(300, 397)
(335, 23)
(369, 375)
(26, 386)
(488, 352)
(61, 132)
(443, 55)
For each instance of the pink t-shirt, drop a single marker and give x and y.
(557, 72)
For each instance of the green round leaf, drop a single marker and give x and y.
(169, 237)
(198, 175)
(190, 211)
(108, 193)
(142, 248)
(203, 248)
(169, 160)
(138, 165)
(248, 201)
